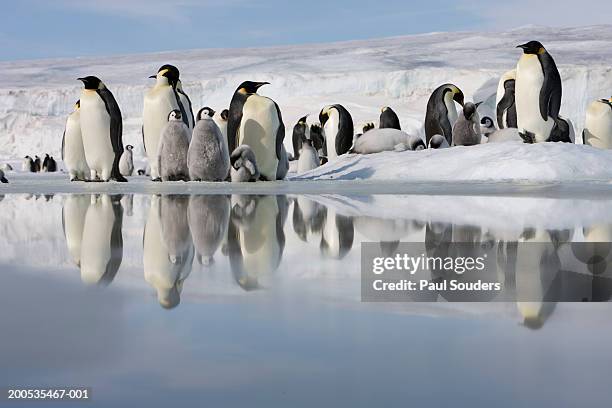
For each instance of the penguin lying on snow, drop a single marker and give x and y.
(598, 124)
(173, 147)
(244, 167)
(207, 158)
(388, 119)
(380, 140)
(466, 131)
(2, 178)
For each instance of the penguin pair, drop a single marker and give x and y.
(49, 164)
(166, 96)
(256, 121)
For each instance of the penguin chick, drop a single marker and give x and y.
(173, 148)
(309, 157)
(387, 139)
(126, 163)
(244, 167)
(438, 142)
(2, 178)
(207, 158)
(487, 126)
(466, 131)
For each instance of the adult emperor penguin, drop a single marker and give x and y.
(300, 131)
(388, 119)
(208, 217)
(338, 130)
(2, 178)
(163, 270)
(27, 165)
(126, 163)
(506, 107)
(256, 121)
(207, 157)
(441, 112)
(102, 243)
(466, 130)
(598, 124)
(173, 149)
(74, 211)
(159, 101)
(102, 130)
(538, 96)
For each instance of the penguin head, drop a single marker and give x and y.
(302, 120)
(457, 95)
(170, 72)
(384, 109)
(250, 87)
(91, 82)
(205, 112)
(487, 122)
(607, 102)
(469, 109)
(77, 105)
(225, 114)
(324, 115)
(532, 48)
(175, 115)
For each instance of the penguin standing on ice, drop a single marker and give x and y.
(73, 152)
(309, 157)
(338, 130)
(37, 164)
(256, 121)
(207, 157)
(126, 163)
(159, 101)
(27, 164)
(466, 131)
(506, 106)
(388, 119)
(173, 149)
(51, 165)
(102, 130)
(538, 96)
(441, 112)
(45, 164)
(598, 124)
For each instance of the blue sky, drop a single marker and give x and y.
(67, 28)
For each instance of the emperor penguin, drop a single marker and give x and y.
(256, 121)
(301, 130)
(256, 238)
(27, 165)
(388, 119)
(164, 271)
(244, 165)
(207, 158)
(45, 165)
(386, 139)
(37, 164)
(338, 130)
(159, 101)
(466, 130)
(74, 211)
(441, 112)
(309, 157)
(126, 163)
(2, 177)
(173, 149)
(220, 119)
(598, 124)
(51, 165)
(538, 96)
(102, 130)
(208, 218)
(102, 242)
(506, 107)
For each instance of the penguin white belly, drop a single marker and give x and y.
(259, 242)
(380, 140)
(74, 152)
(158, 103)
(96, 244)
(95, 128)
(258, 129)
(74, 213)
(331, 129)
(451, 109)
(529, 81)
(598, 126)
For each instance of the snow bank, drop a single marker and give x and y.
(36, 96)
(510, 161)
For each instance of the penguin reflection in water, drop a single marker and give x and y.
(256, 238)
(173, 149)
(167, 248)
(337, 235)
(74, 211)
(208, 217)
(102, 243)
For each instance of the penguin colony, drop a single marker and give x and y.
(245, 142)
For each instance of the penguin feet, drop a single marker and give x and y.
(527, 137)
(120, 179)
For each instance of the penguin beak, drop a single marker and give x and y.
(153, 76)
(478, 104)
(260, 84)
(81, 79)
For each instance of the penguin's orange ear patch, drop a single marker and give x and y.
(541, 51)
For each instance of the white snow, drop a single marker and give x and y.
(401, 72)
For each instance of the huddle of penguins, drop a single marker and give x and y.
(48, 164)
(245, 142)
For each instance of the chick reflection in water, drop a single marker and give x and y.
(102, 243)
(255, 238)
(167, 248)
(208, 218)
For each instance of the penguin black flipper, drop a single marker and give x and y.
(190, 106)
(234, 119)
(143, 142)
(345, 130)
(583, 137)
(181, 107)
(116, 243)
(550, 93)
(63, 144)
(506, 105)
(116, 129)
(280, 132)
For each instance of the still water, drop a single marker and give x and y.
(219, 300)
